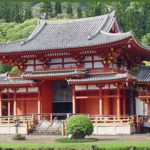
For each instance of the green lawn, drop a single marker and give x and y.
(108, 145)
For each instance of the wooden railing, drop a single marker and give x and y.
(143, 93)
(97, 120)
(60, 68)
(109, 70)
(28, 120)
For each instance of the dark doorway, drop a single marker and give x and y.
(62, 107)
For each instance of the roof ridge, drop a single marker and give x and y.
(37, 30)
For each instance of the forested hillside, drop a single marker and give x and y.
(18, 19)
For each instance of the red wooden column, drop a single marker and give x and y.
(73, 100)
(124, 102)
(15, 103)
(1, 103)
(39, 102)
(100, 101)
(8, 105)
(100, 98)
(118, 101)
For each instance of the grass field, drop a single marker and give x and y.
(108, 145)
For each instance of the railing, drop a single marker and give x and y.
(143, 93)
(97, 120)
(110, 70)
(60, 68)
(14, 75)
(28, 120)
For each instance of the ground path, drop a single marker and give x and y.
(51, 139)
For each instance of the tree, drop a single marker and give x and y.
(146, 40)
(28, 11)
(4, 68)
(47, 8)
(58, 9)
(79, 12)
(17, 12)
(79, 126)
(69, 9)
(15, 70)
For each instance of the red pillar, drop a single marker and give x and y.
(118, 101)
(124, 102)
(1, 103)
(100, 101)
(15, 103)
(73, 100)
(39, 102)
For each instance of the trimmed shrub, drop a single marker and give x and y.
(79, 123)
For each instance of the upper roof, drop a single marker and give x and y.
(78, 33)
(67, 34)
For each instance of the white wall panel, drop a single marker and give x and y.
(56, 60)
(97, 58)
(38, 62)
(5, 90)
(30, 62)
(105, 87)
(98, 65)
(88, 65)
(80, 87)
(69, 59)
(139, 107)
(30, 68)
(22, 90)
(35, 89)
(87, 58)
(90, 87)
(112, 86)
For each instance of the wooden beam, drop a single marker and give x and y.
(39, 102)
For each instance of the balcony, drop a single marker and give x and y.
(143, 94)
(58, 68)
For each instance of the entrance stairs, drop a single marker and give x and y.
(45, 127)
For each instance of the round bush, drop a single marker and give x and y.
(79, 123)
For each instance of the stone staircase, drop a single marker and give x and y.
(45, 127)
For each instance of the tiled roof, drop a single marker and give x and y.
(53, 74)
(68, 34)
(5, 80)
(14, 81)
(102, 77)
(143, 74)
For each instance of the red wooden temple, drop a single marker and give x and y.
(76, 66)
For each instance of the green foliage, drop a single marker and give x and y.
(47, 8)
(146, 40)
(147, 63)
(66, 140)
(79, 123)
(15, 70)
(79, 12)
(14, 31)
(69, 10)
(28, 11)
(58, 9)
(4, 68)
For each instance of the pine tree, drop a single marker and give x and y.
(28, 11)
(98, 9)
(69, 10)
(18, 12)
(79, 12)
(47, 8)
(58, 9)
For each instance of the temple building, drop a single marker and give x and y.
(76, 66)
